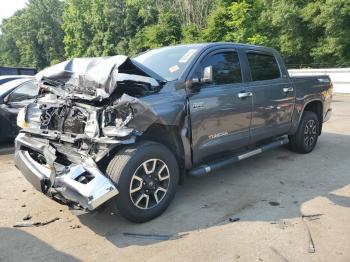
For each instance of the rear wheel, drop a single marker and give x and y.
(146, 176)
(305, 139)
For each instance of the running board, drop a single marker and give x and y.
(204, 169)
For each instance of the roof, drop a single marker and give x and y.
(213, 44)
(16, 76)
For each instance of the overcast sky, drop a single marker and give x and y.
(9, 7)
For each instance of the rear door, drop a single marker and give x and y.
(220, 111)
(273, 96)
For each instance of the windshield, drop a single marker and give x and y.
(169, 62)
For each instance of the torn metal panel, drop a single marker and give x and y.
(97, 77)
(82, 183)
(87, 108)
(142, 114)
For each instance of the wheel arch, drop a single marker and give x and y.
(316, 107)
(169, 136)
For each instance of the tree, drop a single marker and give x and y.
(48, 31)
(33, 36)
(236, 22)
(329, 23)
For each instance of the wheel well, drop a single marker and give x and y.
(317, 108)
(169, 136)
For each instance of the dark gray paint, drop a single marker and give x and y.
(268, 113)
(213, 120)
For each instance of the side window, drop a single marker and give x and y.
(24, 92)
(263, 67)
(226, 68)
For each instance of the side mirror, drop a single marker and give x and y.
(5, 99)
(207, 75)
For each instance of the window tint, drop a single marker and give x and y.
(226, 68)
(24, 92)
(263, 67)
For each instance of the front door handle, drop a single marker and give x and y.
(288, 89)
(244, 95)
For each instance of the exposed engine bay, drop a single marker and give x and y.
(85, 107)
(91, 110)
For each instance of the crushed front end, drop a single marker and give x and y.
(74, 124)
(59, 174)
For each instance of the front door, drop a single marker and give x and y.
(221, 110)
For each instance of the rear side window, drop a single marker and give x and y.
(263, 67)
(226, 68)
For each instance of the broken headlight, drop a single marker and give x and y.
(115, 122)
(29, 117)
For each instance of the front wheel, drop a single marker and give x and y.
(305, 139)
(146, 176)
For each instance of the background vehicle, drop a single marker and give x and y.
(17, 71)
(14, 95)
(128, 130)
(8, 78)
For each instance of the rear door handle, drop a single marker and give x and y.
(244, 95)
(288, 89)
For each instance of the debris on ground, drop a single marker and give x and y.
(312, 216)
(154, 236)
(27, 217)
(75, 226)
(281, 224)
(279, 254)
(35, 224)
(148, 236)
(311, 248)
(77, 212)
(23, 205)
(274, 203)
(234, 219)
(24, 190)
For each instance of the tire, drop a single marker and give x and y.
(128, 169)
(305, 139)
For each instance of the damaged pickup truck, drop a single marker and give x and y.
(124, 131)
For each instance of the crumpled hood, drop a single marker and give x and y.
(101, 73)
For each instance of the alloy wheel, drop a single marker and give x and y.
(149, 184)
(310, 133)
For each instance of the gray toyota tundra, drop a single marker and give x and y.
(124, 132)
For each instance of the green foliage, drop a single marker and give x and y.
(329, 23)
(49, 31)
(167, 31)
(33, 36)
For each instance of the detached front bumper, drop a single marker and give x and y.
(64, 180)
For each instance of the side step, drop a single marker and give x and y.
(204, 169)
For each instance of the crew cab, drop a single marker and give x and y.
(125, 131)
